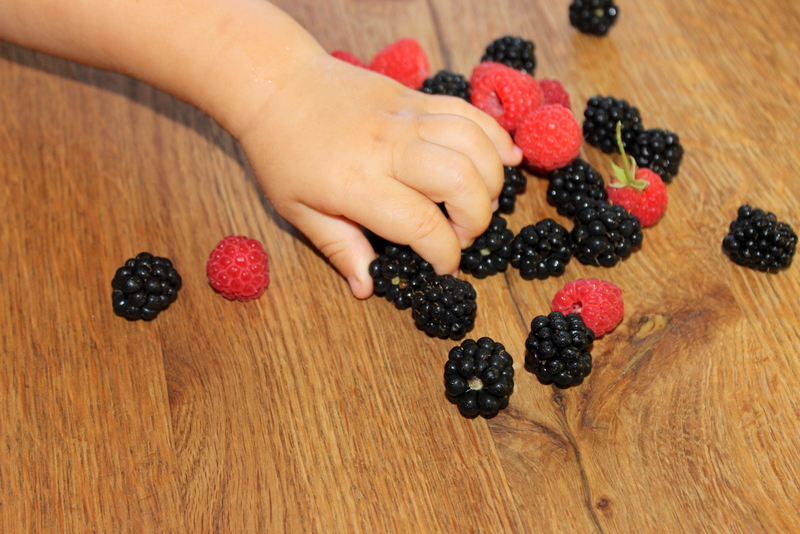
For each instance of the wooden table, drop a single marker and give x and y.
(310, 411)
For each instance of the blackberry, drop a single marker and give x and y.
(558, 349)
(447, 83)
(444, 306)
(514, 183)
(479, 377)
(658, 150)
(577, 178)
(757, 240)
(144, 286)
(605, 233)
(490, 252)
(593, 17)
(515, 52)
(541, 250)
(600, 123)
(393, 274)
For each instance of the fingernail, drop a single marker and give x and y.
(517, 151)
(495, 205)
(355, 284)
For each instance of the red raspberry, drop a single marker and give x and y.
(550, 137)
(238, 268)
(640, 191)
(506, 94)
(554, 93)
(404, 61)
(348, 57)
(598, 302)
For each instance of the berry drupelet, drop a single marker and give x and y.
(577, 178)
(444, 306)
(490, 252)
(601, 116)
(658, 150)
(515, 52)
(605, 233)
(757, 240)
(514, 183)
(541, 250)
(394, 273)
(558, 349)
(479, 377)
(593, 17)
(144, 286)
(447, 83)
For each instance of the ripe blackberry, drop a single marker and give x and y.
(444, 306)
(593, 17)
(447, 83)
(577, 178)
(490, 252)
(144, 286)
(658, 150)
(394, 272)
(541, 250)
(479, 377)
(605, 233)
(756, 239)
(600, 123)
(558, 349)
(514, 183)
(514, 52)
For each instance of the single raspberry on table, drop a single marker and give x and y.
(348, 57)
(550, 137)
(554, 92)
(404, 61)
(640, 191)
(598, 302)
(238, 268)
(505, 93)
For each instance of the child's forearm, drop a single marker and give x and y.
(224, 56)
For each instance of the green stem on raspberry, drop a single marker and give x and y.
(626, 175)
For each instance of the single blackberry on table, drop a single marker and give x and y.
(577, 178)
(757, 240)
(444, 306)
(514, 183)
(479, 377)
(490, 252)
(541, 250)
(593, 17)
(605, 233)
(658, 150)
(601, 116)
(447, 83)
(558, 349)
(514, 52)
(394, 272)
(144, 286)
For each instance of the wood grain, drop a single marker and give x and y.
(310, 411)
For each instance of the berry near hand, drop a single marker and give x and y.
(599, 303)
(550, 137)
(447, 83)
(558, 349)
(514, 183)
(395, 272)
(506, 94)
(144, 286)
(490, 253)
(479, 377)
(348, 57)
(238, 269)
(404, 61)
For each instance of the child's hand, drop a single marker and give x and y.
(338, 146)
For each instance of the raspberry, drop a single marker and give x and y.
(640, 191)
(238, 268)
(490, 252)
(144, 286)
(394, 274)
(573, 183)
(550, 137)
(348, 58)
(598, 302)
(404, 61)
(514, 183)
(757, 240)
(558, 349)
(593, 17)
(554, 93)
(479, 377)
(511, 51)
(447, 83)
(506, 94)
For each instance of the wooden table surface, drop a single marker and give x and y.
(310, 411)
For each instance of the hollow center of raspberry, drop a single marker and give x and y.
(576, 307)
(475, 383)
